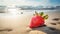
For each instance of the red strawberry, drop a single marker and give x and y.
(37, 20)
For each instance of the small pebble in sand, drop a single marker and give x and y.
(36, 32)
(53, 23)
(21, 12)
(56, 19)
(6, 30)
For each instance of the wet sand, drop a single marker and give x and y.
(20, 24)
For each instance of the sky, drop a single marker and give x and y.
(31, 2)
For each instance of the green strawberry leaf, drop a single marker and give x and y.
(41, 13)
(36, 13)
(45, 17)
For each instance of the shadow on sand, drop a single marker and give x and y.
(47, 30)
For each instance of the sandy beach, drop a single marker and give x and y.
(19, 23)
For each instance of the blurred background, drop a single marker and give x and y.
(15, 15)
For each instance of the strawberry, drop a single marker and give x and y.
(38, 20)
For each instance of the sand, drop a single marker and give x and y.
(19, 24)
